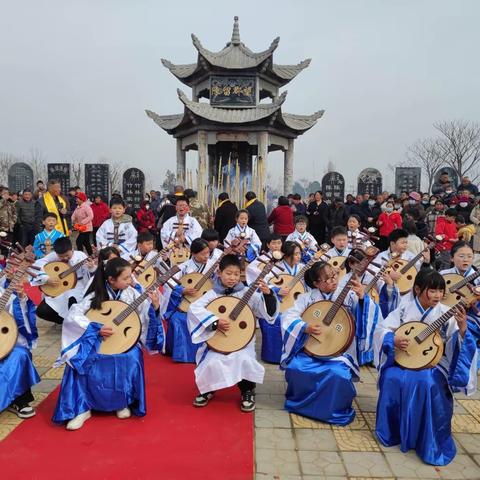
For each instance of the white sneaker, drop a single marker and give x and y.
(77, 422)
(124, 413)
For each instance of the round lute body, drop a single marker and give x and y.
(125, 335)
(54, 271)
(419, 355)
(241, 329)
(8, 334)
(191, 280)
(179, 255)
(405, 282)
(336, 337)
(339, 264)
(452, 297)
(284, 280)
(147, 276)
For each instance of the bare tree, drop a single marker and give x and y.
(115, 172)
(78, 167)
(6, 161)
(427, 154)
(38, 162)
(460, 146)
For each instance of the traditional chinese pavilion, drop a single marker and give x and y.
(234, 117)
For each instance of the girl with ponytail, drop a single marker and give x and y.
(322, 388)
(93, 381)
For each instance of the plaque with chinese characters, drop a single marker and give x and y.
(407, 179)
(232, 91)
(96, 180)
(20, 176)
(133, 187)
(60, 172)
(369, 181)
(333, 186)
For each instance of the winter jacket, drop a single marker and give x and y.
(388, 222)
(101, 212)
(83, 215)
(145, 219)
(448, 231)
(8, 215)
(225, 218)
(25, 212)
(282, 219)
(258, 219)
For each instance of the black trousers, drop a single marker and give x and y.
(94, 235)
(246, 385)
(24, 399)
(83, 240)
(46, 312)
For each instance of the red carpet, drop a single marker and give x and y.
(174, 441)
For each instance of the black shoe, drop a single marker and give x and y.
(248, 401)
(22, 411)
(202, 399)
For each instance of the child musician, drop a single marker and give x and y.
(178, 342)
(145, 246)
(242, 228)
(272, 332)
(17, 372)
(415, 407)
(322, 388)
(92, 381)
(215, 370)
(55, 309)
(274, 244)
(212, 237)
(307, 241)
(339, 238)
(354, 223)
(189, 227)
(118, 230)
(43, 243)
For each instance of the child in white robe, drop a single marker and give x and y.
(213, 238)
(274, 244)
(55, 309)
(216, 370)
(126, 240)
(305, 239)
(94, 381)
(242, 230)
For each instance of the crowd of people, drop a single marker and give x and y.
(347, 254)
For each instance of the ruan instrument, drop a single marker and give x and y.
(457, 287)
(8, 325)
(371, 287)
(180, 253)
(294, 283)
(338, 325)
(145, 272)
(426, 347)
(123, 319)
(243, 322)
(65, 274)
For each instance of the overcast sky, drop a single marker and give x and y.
(76, 76)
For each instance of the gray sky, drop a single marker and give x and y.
(77, 76)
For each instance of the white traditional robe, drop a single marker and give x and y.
(306, 238)
(127, 237)
(193, 231)
(250, 234)
(215, 370)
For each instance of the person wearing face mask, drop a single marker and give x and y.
(449, 197)
(414, 209)
(388, 221)
(145, 218)
(370, 212)
(434, 214)
(464, 207)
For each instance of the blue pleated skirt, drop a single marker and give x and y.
(17, 375)
(414, 410)
(110, 383)
(322, 390)
(178, 343)
(271, 340)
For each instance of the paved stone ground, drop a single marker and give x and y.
(290, 447)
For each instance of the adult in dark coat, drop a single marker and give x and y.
(318, 217)
(224, 216)
(371, 211)
(257, 216)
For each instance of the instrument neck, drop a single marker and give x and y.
(374, 280)
(209, 273)
(435, 325)
(469, 278)
(8, 291)
(412, 262)
(74, 268)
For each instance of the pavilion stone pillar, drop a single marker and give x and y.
(202, 165)
(262, 139)
(181, 163)
(288, 168)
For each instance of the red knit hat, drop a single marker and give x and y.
(81, 196)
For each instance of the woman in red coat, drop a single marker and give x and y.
(282, 218)
(101, 212)
(387, 222)
(145, 218)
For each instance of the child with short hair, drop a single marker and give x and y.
(242, 229)
(212, 237)
(339, 238)
(274, 244)
(43, 243)
(122, 225)
(94, 381)
(307, 241)
(465, 232)
(354, 222)
(55, 309)
(215, 370)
